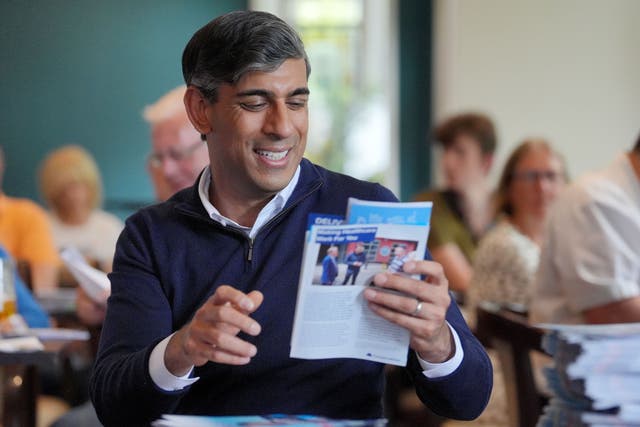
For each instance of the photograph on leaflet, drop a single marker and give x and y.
(333, 320)
(356, 263)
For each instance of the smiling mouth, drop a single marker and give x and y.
(272, 155)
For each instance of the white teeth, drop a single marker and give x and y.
(273, 155)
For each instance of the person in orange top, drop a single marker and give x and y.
(26, 234)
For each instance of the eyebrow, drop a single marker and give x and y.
(268, 94)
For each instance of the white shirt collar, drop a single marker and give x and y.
(270, 210)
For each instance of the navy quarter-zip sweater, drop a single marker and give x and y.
(171, 258)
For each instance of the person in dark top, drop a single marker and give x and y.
(204, 286)
(330, 266)
(355, 261)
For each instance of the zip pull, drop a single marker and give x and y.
(250, 252)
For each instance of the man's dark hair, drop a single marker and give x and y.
(475, 125)
(636, 148)
(236, 43)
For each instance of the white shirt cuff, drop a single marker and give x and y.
(161, 375)
(437, 370)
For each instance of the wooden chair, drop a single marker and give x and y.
(511, 335)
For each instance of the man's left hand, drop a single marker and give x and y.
(421, 308)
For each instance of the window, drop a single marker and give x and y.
(352, 109)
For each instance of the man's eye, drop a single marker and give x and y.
(253, 106)
(296, 104)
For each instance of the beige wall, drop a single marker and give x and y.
(568, 70)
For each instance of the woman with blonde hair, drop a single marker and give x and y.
(70, 184)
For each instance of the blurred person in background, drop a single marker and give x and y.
(178, 153)
(26, 234)
(70, 184)
(506, 261)
(590, 261)
(178, 156)
(462, 209)
(507, 258)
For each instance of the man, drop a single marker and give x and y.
(213, 272)
(355, 260)
(590, 262)
(330, 266)
(400, 257)
(178, 155)
(26, 235)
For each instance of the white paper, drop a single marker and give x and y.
(93, 281)
(335, 321)
(13, 345)
(59, 334)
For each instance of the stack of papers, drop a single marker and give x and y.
(595, 379)
(262, 421)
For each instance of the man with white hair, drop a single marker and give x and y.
(178, 154)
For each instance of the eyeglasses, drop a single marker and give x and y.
(535, 176)
(155, 159)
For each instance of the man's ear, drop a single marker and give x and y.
(197, 106)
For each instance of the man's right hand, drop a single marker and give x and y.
(212, 333)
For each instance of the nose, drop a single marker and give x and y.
(278, 123)
(545, 184)
(168, 166)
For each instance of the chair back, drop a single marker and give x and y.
(511, 335)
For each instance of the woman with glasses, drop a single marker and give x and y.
(507, 257)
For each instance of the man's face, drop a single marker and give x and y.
(464, 164)
(258, 132)
(178, 155)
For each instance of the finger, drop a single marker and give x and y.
(408, 306)
(413, 288)
(257, 297)
(220, 356)
(430, 322)
(227, 294)
(398, 302)
(203, 338)
(431, 269)
(231, 344)
(203, 353)
(227, 314)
